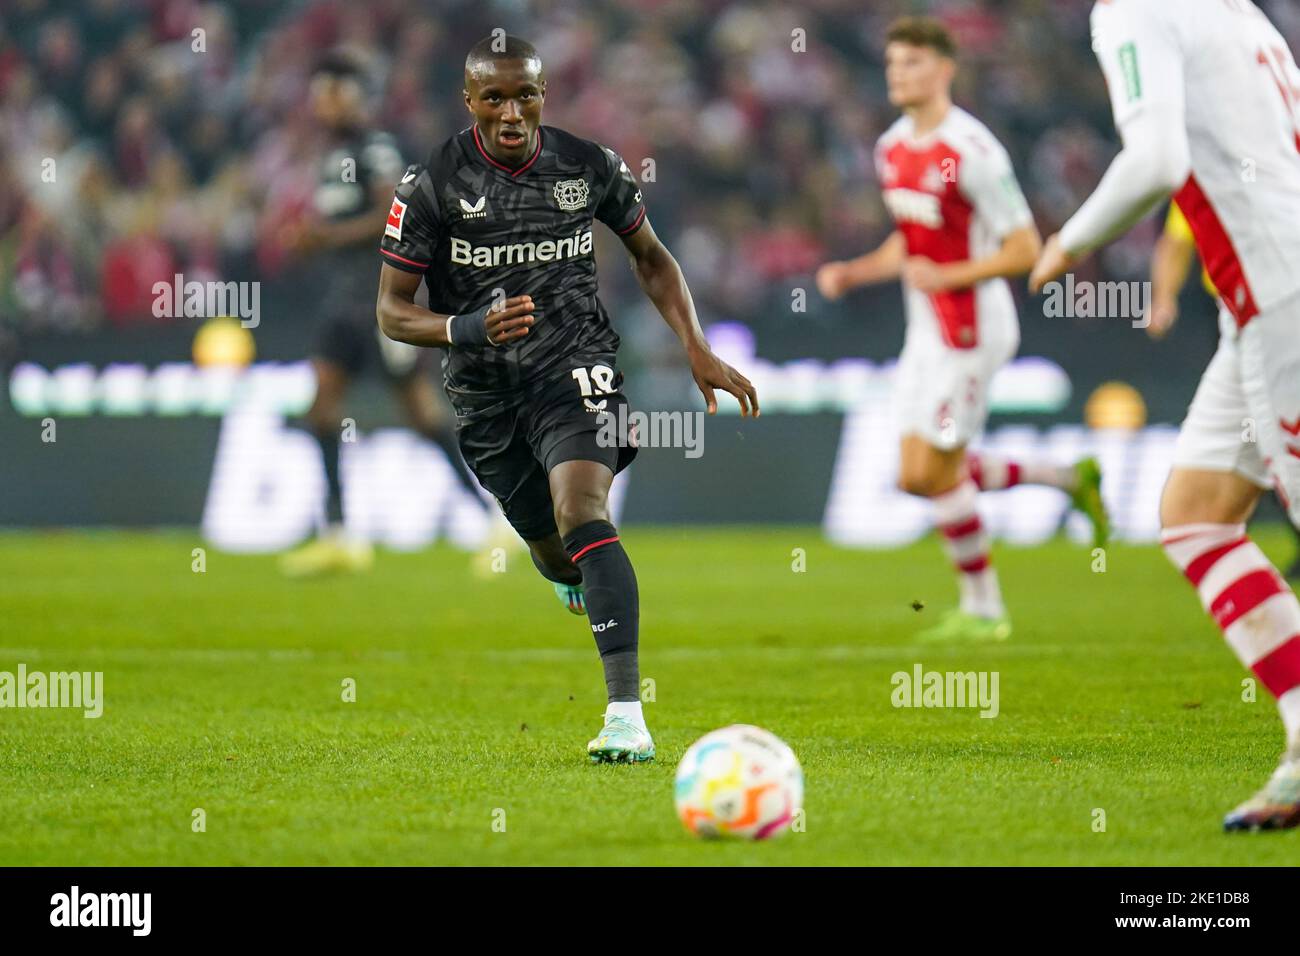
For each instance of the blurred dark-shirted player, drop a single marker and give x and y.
(498, 222)
(353, 189)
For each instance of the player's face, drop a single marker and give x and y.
(915, 74)
(506, 99)
(335, 101)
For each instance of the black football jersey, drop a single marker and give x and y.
(473, 226)
(347, 174)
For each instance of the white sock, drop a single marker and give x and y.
(981, 594)
(967, 544)
(629, 710)
(1288, 705)
(1055, 476)
(992, 473)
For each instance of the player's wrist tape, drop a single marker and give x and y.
(469, 330)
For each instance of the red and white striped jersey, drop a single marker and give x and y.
(953, 195)
(1206, 96)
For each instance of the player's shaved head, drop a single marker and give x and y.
(504, 91)
(488, 52)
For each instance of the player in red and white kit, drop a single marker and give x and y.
(962, 227)
(1205, 94)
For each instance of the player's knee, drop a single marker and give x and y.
(1173, 515)
(911, 484)
(918, 482)
(324, 418)
(576, 508)
(1192, 497)
(1292, 506)
(423, 416)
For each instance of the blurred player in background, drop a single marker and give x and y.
(498, 223)
(354, 181)
(962, 227)
(1204, 95)
(1171, 264)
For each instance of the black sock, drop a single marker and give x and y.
(329, 452)
(609, 587)
(443, 434)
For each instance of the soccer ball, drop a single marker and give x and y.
(740, 781)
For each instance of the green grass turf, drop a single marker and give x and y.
(223, 692)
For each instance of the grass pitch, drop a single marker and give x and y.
(474, 701)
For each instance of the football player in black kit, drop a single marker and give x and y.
(353, 188)
(498, 223)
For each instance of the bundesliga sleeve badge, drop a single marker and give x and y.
(396, 213)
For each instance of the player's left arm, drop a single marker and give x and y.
(660, 277)
(620, 207)
(1143, 65)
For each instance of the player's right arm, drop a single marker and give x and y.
(410, 237)
(404, 321)
(880, 265)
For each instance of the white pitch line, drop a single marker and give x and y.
(833, 652)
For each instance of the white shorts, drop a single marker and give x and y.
(1245, 416)
(942, 393)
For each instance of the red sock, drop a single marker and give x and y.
(1248, 599)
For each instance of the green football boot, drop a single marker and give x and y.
(621, 741)
(1086, 498)
(572, 597)
(958, 626)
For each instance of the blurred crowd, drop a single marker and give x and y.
(141, 138)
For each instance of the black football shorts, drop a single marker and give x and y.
(352, 339)
(512, 447)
